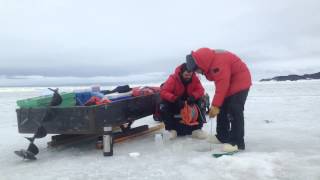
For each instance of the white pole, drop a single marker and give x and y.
(211, 134)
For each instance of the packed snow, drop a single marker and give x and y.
(282, 143)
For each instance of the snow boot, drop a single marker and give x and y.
(229, 148)
(213, 139)
(173, 134)
(199, 134)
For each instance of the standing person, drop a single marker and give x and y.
(182, 86)
(232, 83)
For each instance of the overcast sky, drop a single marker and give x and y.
(125, 37)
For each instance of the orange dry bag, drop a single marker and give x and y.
(189, 115)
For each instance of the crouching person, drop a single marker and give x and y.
(181, 88)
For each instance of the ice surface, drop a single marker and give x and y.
(282, 141)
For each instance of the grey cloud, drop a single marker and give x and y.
(81, 38)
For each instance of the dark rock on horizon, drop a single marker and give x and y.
(294, 77)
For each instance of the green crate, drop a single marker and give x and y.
(68, 100)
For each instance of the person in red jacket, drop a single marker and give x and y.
(232, 83)
(180, 87)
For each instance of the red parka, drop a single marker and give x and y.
(173, 88)
(228, 72)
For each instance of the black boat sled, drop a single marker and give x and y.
(82, 120)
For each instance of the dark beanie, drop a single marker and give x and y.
(183, 67)
(191, 65)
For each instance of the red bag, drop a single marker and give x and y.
(94, 100)
(144, 91)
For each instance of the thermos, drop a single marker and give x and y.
(107, 141)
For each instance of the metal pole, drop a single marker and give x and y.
(211, 134)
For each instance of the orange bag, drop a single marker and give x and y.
(189, 115)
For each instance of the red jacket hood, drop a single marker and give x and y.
(203, 58)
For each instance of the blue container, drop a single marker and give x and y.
(83, 97)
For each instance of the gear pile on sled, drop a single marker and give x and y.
(85, 113)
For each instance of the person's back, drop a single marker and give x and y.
(240, 77)
(227, 70)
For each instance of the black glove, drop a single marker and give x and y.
(180, 103)
(191, 100)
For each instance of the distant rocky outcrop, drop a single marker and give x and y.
(294, 77)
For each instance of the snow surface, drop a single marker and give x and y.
(282, 142)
